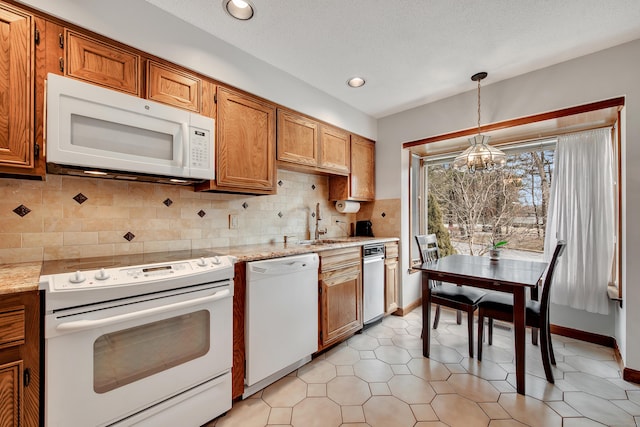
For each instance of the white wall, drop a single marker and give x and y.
(150, 29)
(602, 75)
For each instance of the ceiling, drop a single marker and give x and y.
(411, 52)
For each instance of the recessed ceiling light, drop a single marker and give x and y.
(356, 82)
(239, 9)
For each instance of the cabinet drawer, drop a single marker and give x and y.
(12, 328)
(339, 258)
(173, 87)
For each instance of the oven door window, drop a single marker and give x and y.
(129, 355)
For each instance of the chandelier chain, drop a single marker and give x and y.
(478, 106)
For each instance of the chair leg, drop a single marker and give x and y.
(480, 335)
(552, 357)
(470, 330)
(458, 317)
(544, 352)
(534, 336)
(490, 327)
(436, 318)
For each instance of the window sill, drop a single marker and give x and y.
(613, 294)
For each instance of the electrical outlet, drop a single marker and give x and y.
(233, 221)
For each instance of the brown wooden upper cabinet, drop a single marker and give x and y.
(334, 149)
(297, 139)
(360, 184)
(307, 145)
(100, 63)
(172, 86)
(245, 144)
(16, 88)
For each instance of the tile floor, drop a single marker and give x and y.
(379, 378)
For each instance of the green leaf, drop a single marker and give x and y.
(500, 243)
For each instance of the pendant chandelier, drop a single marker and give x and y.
(480, 156)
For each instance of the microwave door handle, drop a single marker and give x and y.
(184, 127)
(81, 325)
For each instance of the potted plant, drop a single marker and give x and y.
(494, 249)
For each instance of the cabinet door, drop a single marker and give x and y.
(334, 150)
(11, 392)
(297, 139)
(173, 87)
(360, 184)
(246, 131)
(16, 88)
(340, 304)
(362, 176)
(102, 64)
(391, 285)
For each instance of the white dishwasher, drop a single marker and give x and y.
(281, 324)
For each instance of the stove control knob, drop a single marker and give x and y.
(77, 277)
(102, 274)
(202, 262)
(216, 260)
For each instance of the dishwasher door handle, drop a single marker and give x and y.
(372, 259)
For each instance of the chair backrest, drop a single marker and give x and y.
(428, 246)
(557, 253)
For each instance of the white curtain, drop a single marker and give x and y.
(581, 211)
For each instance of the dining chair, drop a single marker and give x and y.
(499, 306)
(457, 297)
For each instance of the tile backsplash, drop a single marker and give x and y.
(68, 217)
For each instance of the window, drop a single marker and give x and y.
(543, 125)
(477, 209)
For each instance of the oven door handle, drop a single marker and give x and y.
(81, 325)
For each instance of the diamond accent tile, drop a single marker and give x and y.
(280, 183)
(201, 213)
(168, 202)
(383, 214)
(245, 205)
(22, 210)
(80, 198)
(280, 214)
(129, 236)
(313, 186)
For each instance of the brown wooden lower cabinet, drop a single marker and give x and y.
(340, 295)
(19, 359)
(391, 278)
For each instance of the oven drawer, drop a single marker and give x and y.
(194, 407)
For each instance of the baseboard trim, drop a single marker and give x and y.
(401, 311)
(584, 336)
(631, 375)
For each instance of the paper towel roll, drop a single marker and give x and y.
(345, 206)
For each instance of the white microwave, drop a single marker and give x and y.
(101, 132)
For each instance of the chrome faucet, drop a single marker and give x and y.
(318, 230)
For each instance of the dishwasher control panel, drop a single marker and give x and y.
(374, 249)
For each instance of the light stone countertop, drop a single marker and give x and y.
(20, 277)
(24, 277)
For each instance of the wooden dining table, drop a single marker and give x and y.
(505, 275)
